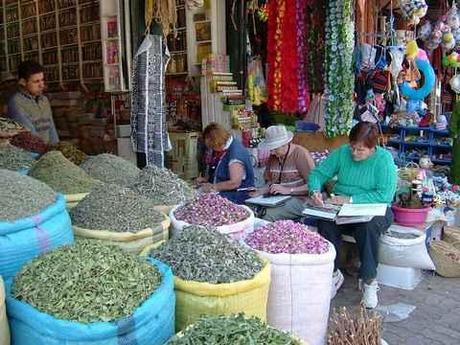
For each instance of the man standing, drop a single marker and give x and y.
(29, 106)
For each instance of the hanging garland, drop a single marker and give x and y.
(340, 80)
(287, 72)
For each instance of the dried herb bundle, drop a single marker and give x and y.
(111, 169)
(115, 208)
(22, 196)
(71, 152)
(205, 255)
(162, 186)
(232, 330)
(86, 282)
(61, 174)
(14, 158)
(29, 142)
(9, 127)
(361, 329)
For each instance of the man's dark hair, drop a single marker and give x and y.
(28, 68)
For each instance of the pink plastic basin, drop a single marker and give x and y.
(410, 216)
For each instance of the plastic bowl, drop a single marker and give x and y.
(410, 216)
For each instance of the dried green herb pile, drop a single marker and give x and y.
(162, 186)
(232, 330)
(71, 152)
(111, 169)
(22, 196)
(61, 174)
(115, 208)
(87, 282)
(9, 127)
(205, 255)
(14, 158)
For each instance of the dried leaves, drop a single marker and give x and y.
(114, 208)
(286, 236)
(71, 152)
(61, 174)
(87, 282)
(162, 186)
(205, 255)
(22, 196)
(232, 330)
(14, 158)
(29, 142)
(211, 209)
(109, 168)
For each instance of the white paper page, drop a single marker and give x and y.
(350, 210)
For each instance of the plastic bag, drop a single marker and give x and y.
(133, 242)
(4, 329)
(26, 238)
(152, 323)
(395, 250)
(257, 88)
(194, 299)
(290, 308)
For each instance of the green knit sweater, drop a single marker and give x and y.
(369, 181)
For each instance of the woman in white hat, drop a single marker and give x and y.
(286, 173)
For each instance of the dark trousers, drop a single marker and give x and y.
(367, 239)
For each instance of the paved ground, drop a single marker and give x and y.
(436, 319)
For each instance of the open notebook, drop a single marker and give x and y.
(346, 214)
(271, 201)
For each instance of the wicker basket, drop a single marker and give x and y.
(446, 257)
(451, 234)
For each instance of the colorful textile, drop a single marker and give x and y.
(148, 119)
(287, 46)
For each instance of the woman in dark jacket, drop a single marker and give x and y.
(229, 169)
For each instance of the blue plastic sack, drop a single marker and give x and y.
(26, 238)
(151, 324)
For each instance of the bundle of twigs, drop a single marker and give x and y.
(363, 328)
(162, 12)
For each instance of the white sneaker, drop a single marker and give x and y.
(337, 281)
(370, 299)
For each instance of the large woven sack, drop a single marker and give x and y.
(446, 258)
(26, 238)
(194, 299)
(402, 252)
(72, 200)
(133, 242)
(235, 231)
(4, 329)
(152, 323)
(451, 234)
(164, 208)
(300, 293)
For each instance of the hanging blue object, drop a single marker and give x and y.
(424, 66)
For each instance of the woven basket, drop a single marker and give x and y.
(409, 172)
(446, 266)
(451, 234)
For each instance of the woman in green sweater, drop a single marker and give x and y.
(365, 173)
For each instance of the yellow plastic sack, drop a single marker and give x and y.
(194, 299)
(4, 329)
(133, 242)
(147, 249)
(72, 200)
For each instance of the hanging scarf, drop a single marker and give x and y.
(148, 120)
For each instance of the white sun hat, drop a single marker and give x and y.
(275, 137)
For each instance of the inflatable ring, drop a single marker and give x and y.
(424, 67)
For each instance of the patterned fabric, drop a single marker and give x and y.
(148, 119)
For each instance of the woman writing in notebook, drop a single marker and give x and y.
(286, 173)
(365, 173)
